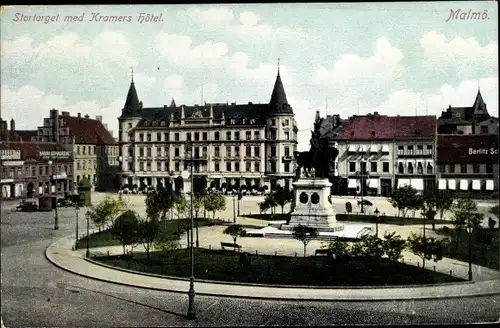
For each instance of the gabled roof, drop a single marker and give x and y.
(23, 135)
(376, 127)
(88, 131)
(479, 107)
(172, 103)
(452, 121)
(31, 150)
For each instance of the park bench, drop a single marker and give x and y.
(231, 245)
(322, 252)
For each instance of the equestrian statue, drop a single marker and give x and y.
(320, 158)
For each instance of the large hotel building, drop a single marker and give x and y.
(239, 144)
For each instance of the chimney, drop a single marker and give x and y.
(87, 116)
(105, 126)
(99, 118)
(79, 115)
(12, 125)
(65, 114)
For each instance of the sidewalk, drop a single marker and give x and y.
(61, 255)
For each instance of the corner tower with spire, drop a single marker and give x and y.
(279, 103)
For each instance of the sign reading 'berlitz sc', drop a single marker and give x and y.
(483, 151)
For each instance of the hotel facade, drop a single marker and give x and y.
(233, 144)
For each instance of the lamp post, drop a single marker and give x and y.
(377, 212)
(54, 180)
(469, 232)
(234, 208)
(77, 211)
(191, 314)
(87, 253)
(362, 186)
(240, 196)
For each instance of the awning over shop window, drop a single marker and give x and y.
(385, 148)
(490, 185)
(403, 182)
(476, 184)
(464, 184)
(452, 185)
(417, 184)
(373, 183)
(351, 183)
(442, 184)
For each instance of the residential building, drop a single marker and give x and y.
(468, 120)
(379, 153)
(30, 169)
(95, 150)
(468, 165)
(242, 144)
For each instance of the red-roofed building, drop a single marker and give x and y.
(95, 150)
(31, 169)
(378, 153)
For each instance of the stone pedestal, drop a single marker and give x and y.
(312, 207)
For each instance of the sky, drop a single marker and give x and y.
(339, 58)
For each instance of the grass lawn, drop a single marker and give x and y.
(484, 246)
(169, 227)
(396, 220)
(313, 271)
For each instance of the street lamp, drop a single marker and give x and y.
(469, 232)
(191, 314)
(77, 211)
(54, 184)
(87, 253)
(377, 212)
(234, 208)
(240, 196)
(362, 186)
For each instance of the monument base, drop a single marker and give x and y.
(312, 208)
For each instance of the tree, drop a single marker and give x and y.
(404, 199)
(235, 231)
(105, 211)
(282, 198)
(125, 228)
(492, 223)
(214, 202)
(426, 248)
(166, 243)
(269, 202)
(304, 234)
(180, 205)
(348, 207)
(159, 203)
(393, 246)
(428, 209)
(371, 246)
(444, 202)
(197, 205)
(465, 212)
(338, 248)
(495, 210)
(148, 232)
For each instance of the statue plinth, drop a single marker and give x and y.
(312, 207)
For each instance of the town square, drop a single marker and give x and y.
(158, 168)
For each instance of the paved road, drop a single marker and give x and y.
(35, 293)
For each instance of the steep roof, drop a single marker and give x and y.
(376, 127)
(453, 121)
(172, 103)
(279, 103)
(479, 107)
(23, 135)
(132, 104)
(31, 150)
(237, 112)
(88, 131)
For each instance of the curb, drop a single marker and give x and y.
(248, 284)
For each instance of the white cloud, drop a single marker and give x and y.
(250, 27)
(176, 87)
(212, 16)
(405, 102)
(365, 74)
(28, 106)
(214, 57)
(463, 55)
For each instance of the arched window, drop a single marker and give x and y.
(410, 168)
(429, 168)
(401, 168)
(420, 168)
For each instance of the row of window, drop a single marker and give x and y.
(229, 166)
(91, 150)
(33, 171)
(93, 164)
(410, 168)
(202, 151)
(272, 122)
(230, 136)
(476, 168)
(410, 150)
(373, 167)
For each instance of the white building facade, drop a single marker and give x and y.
(234, 145)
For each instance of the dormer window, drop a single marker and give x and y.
(243, 121)
(232, 121)
(146, 123)
(162, 123)
(154, 123)
(252, 121)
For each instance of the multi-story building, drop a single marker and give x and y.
(30, 169)
(243, 144)
(379, 153)
(468, 120)
(94, 148)
(468, 164)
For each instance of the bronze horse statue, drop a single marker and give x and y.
(304, 161)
